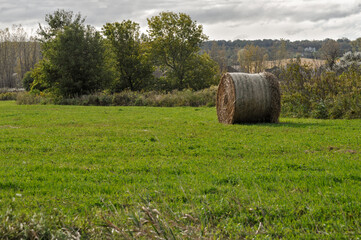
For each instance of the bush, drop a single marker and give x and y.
(322, 94)
(30, 98)
(347, 60)
(125, 98)
(86, 100)
(319, 110)
(346, 107)
(8, 96)
(205, 97)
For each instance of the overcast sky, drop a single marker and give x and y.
(221, 19)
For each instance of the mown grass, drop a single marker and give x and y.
(72, 172)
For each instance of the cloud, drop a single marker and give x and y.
(285, 19)
(220, 18)
(274, 11)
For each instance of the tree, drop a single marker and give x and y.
(28, 51)
(57, 22)
(281, 52)
(252, 59)
(218, 54)
(204, 72)
(27, 81)
(330, 51)
(74, 61)
(18, 54)
(356, 45)
(132, 62)
(7, 59)
(175, 42)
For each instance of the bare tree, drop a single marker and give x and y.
(8, 58)
(218, 54)
(28, 52)
(330, 50)
(18, 54)
(281, 52)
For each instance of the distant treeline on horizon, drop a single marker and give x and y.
(301, 48)
(19, 52)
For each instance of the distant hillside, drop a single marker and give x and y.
(305, 48)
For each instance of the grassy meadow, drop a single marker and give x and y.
(82, 172)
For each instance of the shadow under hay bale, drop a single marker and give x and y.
(248, 98)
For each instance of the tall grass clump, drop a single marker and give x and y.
(31, 98)
(9, 94)
(176, 98)
(13, 226)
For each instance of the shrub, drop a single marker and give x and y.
(30, 98)
(319, 110)
(8, 96)
(347, 60)
(346, 107)
(125, 98)
(308, 92)
(205, 97)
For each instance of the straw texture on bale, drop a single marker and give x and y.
(248, 98)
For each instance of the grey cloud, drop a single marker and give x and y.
(206, 11)
(324, 12)
(228, 13)
(272, 11)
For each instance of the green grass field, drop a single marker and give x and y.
(73, 172)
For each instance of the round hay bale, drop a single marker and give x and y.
(248, 98)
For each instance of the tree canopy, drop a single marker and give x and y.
(175, 41)
(252, 58)
(57, 22)
(133, 66)
(74, 61)
(330, 51)
(78, 60)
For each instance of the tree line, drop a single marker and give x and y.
(71, 58)
(77, 59)
(18, 54)
(228, 51)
